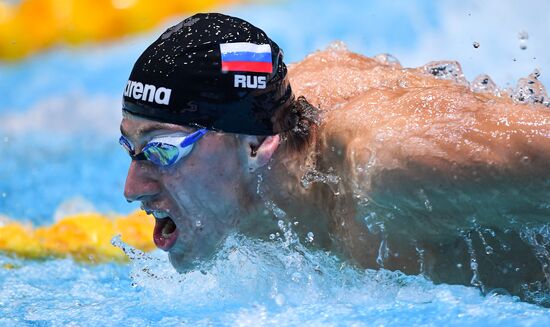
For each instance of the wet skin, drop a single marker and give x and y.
(432, 160)
(204, 193)
(430, 167)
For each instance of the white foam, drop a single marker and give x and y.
(73, 206)
(75, 113)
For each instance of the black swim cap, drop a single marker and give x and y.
(213, 71)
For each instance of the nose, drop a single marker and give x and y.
(141, 183)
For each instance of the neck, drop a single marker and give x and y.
(279, 185)
(282, 176)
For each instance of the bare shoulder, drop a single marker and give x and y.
(387, 116)
(400, 134)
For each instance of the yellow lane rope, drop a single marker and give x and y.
(33, 25)
(85, 237)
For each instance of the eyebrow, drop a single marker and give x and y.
(145, 130)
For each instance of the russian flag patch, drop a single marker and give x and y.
(246, 57)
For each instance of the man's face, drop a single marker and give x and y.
(198, 200)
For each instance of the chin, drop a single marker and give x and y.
(181, 262)
(185, 262)
(196, 247)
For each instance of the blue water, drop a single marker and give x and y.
(59, 115)
(250, 283)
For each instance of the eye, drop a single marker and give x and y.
(126, 144)
(161, 154)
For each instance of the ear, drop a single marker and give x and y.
(260, 150)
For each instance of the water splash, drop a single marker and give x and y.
(539, 238)
(530, 90)
(387, 59)
(309, 237)
(425, 199)
(337, 46)
(383, 252)
(484, 84)
(374, 223)
(314, 176)
(475, 281)
(446, 70)
(278, 212)
(248, 282)
(420, 252)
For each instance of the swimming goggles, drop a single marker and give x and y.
(164, 150)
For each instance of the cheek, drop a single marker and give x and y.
(213, 178)
(222, 180)
(219, 168)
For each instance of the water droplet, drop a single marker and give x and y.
(296, 277)
(473, 263)
(425, 199)
(420, 252)
(387, 59)
(374, 225)
(337, 46)
(447, 70)
(313, 176)
(383, 252)
(523, 36)
(530, 90)
(484, 84)
(280, 299)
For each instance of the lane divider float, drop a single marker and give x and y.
(33, 25)
(85, 237)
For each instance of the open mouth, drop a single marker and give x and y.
(165, 233)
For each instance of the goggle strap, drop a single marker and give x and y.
(126, 144)
(193, 137)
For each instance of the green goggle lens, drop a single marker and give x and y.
(161, 154)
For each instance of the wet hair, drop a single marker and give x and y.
(303, 133)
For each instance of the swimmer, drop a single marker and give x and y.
(388, 167)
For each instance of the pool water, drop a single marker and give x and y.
(249, 283)
(59, 117)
